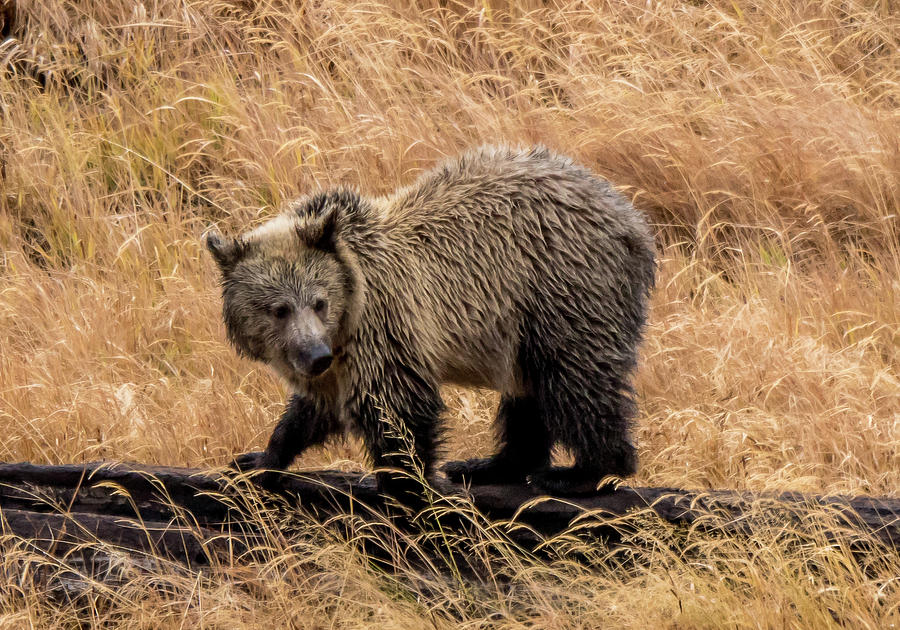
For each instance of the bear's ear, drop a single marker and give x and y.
(320, 231)
(226, 251)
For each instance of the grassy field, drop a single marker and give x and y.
(762, 138)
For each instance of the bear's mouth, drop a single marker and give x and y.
(297, 379)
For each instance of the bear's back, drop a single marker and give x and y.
(498, 240)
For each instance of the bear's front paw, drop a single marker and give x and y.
(262, 465)
(405, 489)
(246, 462)
(483, 471)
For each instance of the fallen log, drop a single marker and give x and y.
(65, 534)
(184, 508)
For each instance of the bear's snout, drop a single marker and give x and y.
(320, 360)
(311, 360)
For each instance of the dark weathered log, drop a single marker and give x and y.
(150, 492)
(216, 501)
(61, 534)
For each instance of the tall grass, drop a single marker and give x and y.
(762, 138)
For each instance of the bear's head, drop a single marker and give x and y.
(291, 288)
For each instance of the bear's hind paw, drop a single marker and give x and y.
(483, 471)
(562, 481)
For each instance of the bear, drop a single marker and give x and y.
(516, 270)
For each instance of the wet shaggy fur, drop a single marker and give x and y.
(518, 271)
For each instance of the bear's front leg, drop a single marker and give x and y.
(305, 422)
(399, 419)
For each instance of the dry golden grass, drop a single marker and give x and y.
(762, 138)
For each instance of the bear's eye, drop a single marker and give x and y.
(320, 307)
(281, 311)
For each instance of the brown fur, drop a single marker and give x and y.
(517, 271)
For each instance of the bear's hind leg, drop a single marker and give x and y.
(591, 413)
(524, 447)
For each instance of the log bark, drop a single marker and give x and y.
(179, 510)
(62, 534)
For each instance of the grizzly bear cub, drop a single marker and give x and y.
(517, 271)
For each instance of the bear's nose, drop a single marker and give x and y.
(320, 358)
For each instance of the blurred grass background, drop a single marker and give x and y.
(762, 138)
